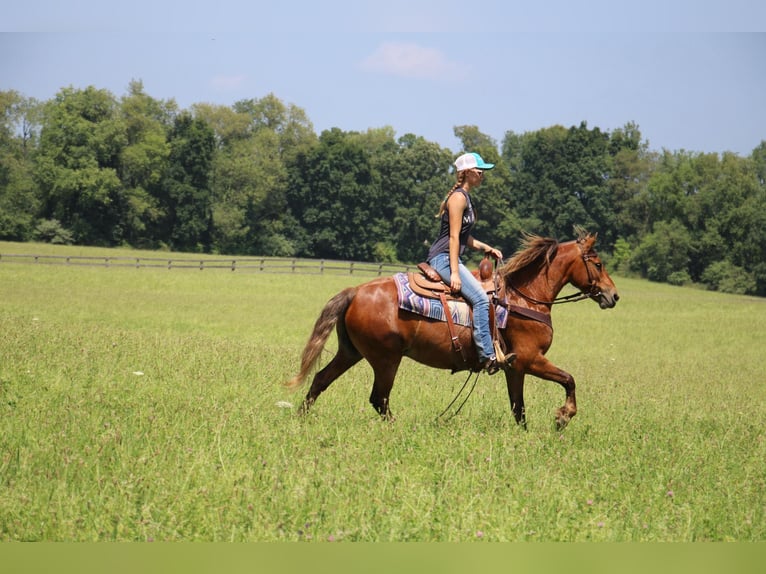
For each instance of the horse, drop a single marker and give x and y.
(370, 325)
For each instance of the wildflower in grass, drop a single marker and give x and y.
(479, 534)
(670, 494)
(589, 502)
(284, 405)
(138, 373)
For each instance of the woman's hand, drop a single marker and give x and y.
(496, 253)
(454, 282)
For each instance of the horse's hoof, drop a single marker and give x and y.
(304, 408)
(562, 420)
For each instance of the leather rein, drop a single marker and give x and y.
(593, 289)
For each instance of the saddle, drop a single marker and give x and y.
(428, 283)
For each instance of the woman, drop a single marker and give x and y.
(457, 220)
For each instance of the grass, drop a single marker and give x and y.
(148, 405)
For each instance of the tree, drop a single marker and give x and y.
(186, 195)
(19, 125)
(563, 181)
(289, 122)
(630, 165)
(255, 140)
(726, 277)
(81, 142)
(143, 162)
(335, 196)
(663, 254)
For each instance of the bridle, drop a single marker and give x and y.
(592, 291)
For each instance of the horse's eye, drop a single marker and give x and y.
(598, 266)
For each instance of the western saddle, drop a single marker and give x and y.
(428, 283)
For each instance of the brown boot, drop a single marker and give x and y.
(491, 365)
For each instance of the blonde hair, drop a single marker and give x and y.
(460, 179)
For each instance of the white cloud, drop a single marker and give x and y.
(227, 83)
(411, 61)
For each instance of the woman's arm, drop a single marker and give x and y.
(455, 207)
(474, 243)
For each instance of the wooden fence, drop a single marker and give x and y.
(243, 264)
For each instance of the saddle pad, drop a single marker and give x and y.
(433, 308)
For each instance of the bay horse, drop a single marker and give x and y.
(370, 325)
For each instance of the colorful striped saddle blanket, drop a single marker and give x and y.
(433, 308)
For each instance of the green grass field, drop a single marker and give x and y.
(147, 404)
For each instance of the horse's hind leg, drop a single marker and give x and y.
(343, 360)
(385, 372)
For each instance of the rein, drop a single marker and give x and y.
(460, 392)
(593, 289)
(573, 298)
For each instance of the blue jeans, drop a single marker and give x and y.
(476, 297)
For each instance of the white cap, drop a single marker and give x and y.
(472, 161)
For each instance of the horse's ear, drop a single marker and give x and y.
(590, 241)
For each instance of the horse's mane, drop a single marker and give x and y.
(534, 250)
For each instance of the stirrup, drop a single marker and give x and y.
(502, 358)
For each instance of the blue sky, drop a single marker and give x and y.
(690, 73)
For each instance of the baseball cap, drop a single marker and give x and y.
(472, 161)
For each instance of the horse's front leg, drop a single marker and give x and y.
(515, 382)
(544, 369)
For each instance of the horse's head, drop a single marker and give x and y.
(590, 276)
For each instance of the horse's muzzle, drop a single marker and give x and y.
(608, 299)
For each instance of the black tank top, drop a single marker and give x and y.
(441, 245)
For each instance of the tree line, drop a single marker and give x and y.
(254, 178)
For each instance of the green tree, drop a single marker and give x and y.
(663, 254)
(334, 196)
(143, 161)
(81, 142)
(563, 181)
(630, 166)
(255, 141)
(186, 196)
(726, 277)
(19, 126)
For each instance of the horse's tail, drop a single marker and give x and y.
(328, 318)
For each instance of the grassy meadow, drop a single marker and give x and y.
(147, 404)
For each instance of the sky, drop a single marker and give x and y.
(690, 73)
